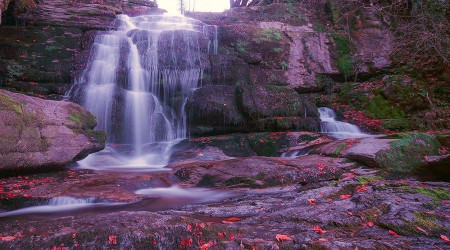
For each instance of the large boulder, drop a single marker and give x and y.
(259, 172)
(397, 155)
(272, 101)
(39, 134)
(217, 109)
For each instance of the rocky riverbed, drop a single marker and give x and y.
(255, 201)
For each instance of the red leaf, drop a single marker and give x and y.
(393, 233)
(7, 238)
(112, 240)
(445, 238)
(421, 229)
(318, 229)
(350, 213)
(361, 189)
(282, 237)
(231, 220)
(189, 227)
(370, 224)
(220, 235)
(231, 236)
(312, 201)
(346, 196)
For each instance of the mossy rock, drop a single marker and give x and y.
(8, 103)
(407, 154)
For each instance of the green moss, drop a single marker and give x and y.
(347, 189)
(241, 182)
(345, 64)
(277, 50)
(84, 120)
(368, 179)
(380, 108)
(241, 46)
(8, 103)
(308, 138)
(98, 136)
(426, 221)
(51, 48)
(407, 154)
(268, 35)
(339, 149)
(438, 194)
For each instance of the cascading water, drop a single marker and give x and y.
(337, 129)
(137, 82)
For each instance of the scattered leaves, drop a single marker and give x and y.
(282, 237)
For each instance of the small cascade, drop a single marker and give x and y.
(61, 204)
(337, 129)
(137, 82)
(65, 200)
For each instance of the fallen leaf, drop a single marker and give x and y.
(312, 201)
(346, 196)
(445, 238)
(7, 238)
(282, 237)
(421, 230)
(112, 240)
(393, 233)
(323, 239)
(350, 213)
(318, 229)
(370, 224)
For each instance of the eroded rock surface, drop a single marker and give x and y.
(38, 133)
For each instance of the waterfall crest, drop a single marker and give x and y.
(137, 82)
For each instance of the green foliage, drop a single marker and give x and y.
(368, 179)
(284, 65)
(407, 154)
(345, 64)
(277, 50)
(268, 35)
(242, 46)
(380, 108)
(319, 27)
(8, 103)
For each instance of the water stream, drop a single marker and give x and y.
(337, 129)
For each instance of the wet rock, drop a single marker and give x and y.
(215, 106)
(278, 102)
(39, 134)
(439, 166)
(228, 70)
(242, 145)
(374, 45)
(399, 155)
(83, 14)
(360, 150)
(259, 172)
(358, 210)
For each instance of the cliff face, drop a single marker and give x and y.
(280, 47)
(40, 41)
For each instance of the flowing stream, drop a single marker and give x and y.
(137, 82)
(337, 129)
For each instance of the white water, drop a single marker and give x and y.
(337, 129)
(137, 82)
(60, 204)
(197, 194)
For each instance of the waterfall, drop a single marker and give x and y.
(337, 129)
(137, 82)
